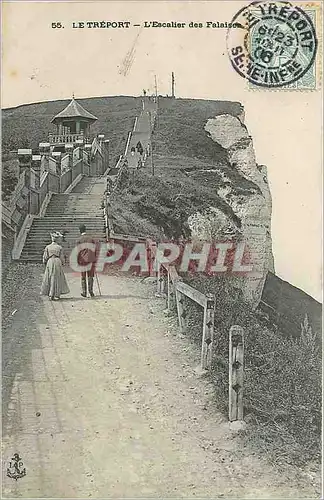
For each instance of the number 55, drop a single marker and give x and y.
(56, 25)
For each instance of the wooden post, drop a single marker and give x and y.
(151, 251)
(162, 280)
(159, 279)
(181, 311)
(106, 154)
(208, 333)
(236, 373)
(36, 166)
(106, 202)
(109, 219)
(25, 164)
(149, 257)
(168, 290)
(69, 150)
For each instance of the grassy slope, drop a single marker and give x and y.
(28, 125)
(183, 152)
(286, 427)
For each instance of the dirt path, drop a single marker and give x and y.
(102, 400)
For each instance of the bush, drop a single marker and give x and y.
(282, 386)
(9, 181)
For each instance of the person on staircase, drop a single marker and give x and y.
(54, 282)
(139, 148)
(86, 256)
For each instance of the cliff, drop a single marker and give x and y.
(207, 185)
(253, 209)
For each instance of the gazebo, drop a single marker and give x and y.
(72, 124)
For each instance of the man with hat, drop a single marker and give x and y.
(85, 257)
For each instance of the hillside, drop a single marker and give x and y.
(28, 125)
(207, 184)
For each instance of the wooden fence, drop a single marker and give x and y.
(171, 286)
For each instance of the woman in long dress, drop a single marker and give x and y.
(54, 282)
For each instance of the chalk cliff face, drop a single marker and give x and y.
(251, 207)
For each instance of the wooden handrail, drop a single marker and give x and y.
(192, 293)
(176, 287)
(43, 178)
(127, 237)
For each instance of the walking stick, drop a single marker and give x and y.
(98, 283)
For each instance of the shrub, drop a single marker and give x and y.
(282, 386)
(9, 181)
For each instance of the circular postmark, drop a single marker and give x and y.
(273, 44)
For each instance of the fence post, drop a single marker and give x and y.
(168, 290)
(208, 333)
(158, 277)
(105, 202)
(45, 149)
(106, 146)
(101, 162)
(162, 280)
(181, 310)
(87, 149)
(69, 150)
(36, 166)
(151, 257)
(236, 373)
(109, 218)
(80, 144)
(25, 164)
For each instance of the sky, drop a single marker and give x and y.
(42, 63)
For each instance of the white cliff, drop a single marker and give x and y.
(252, 208)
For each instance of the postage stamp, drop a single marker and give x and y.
(275, 45)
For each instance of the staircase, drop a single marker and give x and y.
(65, 213)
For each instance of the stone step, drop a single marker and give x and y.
(66, 212)
(33, 242)
(71, 219)
(78, 215)
(66, 227)
(37, 242)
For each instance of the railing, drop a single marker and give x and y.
(171, 286)
(95, 147)
(166, 274)
(52, 165)
(44, 164)
(33, 191)
(66, 179)
(77, 169)
(128, 141)
(65, 162)
(76, 155)
(66, 138)
(43, 189)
